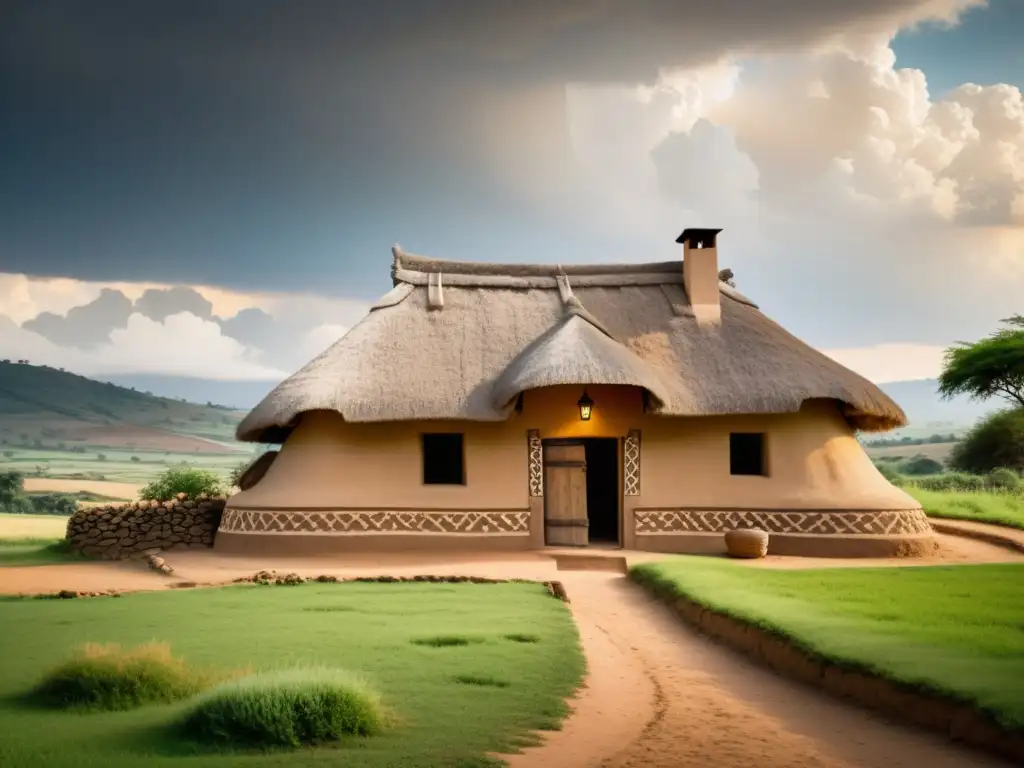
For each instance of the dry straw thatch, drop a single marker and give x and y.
(461, 340)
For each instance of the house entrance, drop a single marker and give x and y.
(582, 495)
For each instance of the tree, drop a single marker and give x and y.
(993, 443)
(992, 367)
(12, 485)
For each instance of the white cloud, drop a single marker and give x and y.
(182, 344)
(857, 208)
(173, 330)
(892, 362)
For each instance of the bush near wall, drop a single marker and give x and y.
(118, 531)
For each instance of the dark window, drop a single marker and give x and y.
(442, 459)
(746, 453)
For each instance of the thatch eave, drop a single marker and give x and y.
(575, 352)
(469, 357)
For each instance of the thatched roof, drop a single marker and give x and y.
(461, 340)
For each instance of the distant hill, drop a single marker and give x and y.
(929, 413)
(242, 395)
(49, 409)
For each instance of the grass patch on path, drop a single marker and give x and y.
(438, 722)
(995, 508)
(955, 630)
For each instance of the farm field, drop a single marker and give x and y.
(32, 526)
(116, 466)
(467, 669)
(951, 629)
(34, 540)
(938, 451)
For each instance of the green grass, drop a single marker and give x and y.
(438, 721)
(105, 677)
(290, 708)
(956, 630)
(34, 551)
(984, 507)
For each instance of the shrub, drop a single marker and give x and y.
(921, 465)
(191, 481)
(888, 472)
(290, 708)
(993, 443)
(53, 504)
(104, 677)
(952, 481)
(1004, 479)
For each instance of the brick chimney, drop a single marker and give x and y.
(700, 274)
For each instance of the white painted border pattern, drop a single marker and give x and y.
(536, 449)
(378, 522)
(884, 522)
(631, 463)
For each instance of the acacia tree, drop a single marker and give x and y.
(992, 367)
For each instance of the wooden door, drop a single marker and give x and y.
(565, 495)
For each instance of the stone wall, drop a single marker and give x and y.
(118, 531)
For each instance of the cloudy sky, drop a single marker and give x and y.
(211, 187)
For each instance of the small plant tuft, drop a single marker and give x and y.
(445, 641)
(105, 677)
(290, 708)
(482, 680)
(517, 637)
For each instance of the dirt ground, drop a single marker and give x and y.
(657, 695)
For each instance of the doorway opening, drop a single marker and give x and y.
(602, 489)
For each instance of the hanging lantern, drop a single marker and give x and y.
(586, 406)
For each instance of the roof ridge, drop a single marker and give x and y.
(417, 263)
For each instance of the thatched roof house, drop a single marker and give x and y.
(497, 358)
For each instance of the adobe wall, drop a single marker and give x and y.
(361, 484)
(118, 531)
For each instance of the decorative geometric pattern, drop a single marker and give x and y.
(883, 522)
(631, 463)
(536, 463)
(372, 521)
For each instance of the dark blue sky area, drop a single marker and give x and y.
(287, 145)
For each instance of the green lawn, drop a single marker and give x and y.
(366, 628)
(997, 508)
(958, 630)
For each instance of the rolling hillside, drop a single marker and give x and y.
(45, 409)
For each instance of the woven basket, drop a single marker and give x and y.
(746, 542)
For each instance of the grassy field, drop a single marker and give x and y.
(116, 466)
(956, 630)
(981, 506)
(367, 628)
(32, 526)
(34, 540)
(36, 551)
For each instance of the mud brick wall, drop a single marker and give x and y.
(118, 531)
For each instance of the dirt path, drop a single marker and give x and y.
(661, 696)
